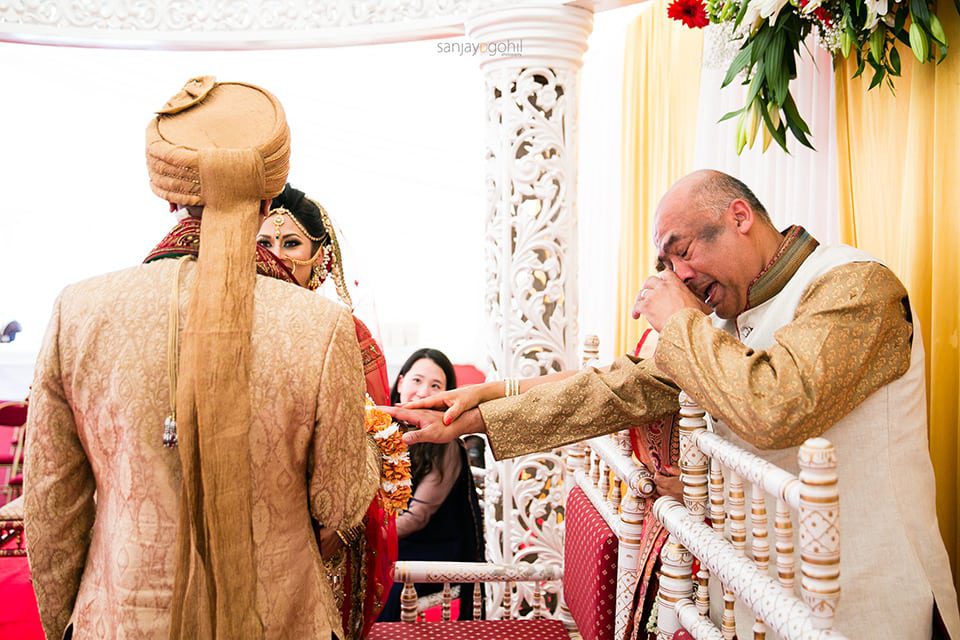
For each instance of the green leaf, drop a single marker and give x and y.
(920, 13)
(894, 61)
(876, 41)
(774, 68)
(757, 83)
(796, 128)
(732, 114)
(900, 19)
(739, 63)
(790, 110)
(760, 42)
(743, 12)
(936, 30)
(878, 73)
(861, 64)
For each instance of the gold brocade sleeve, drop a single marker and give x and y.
(59, 486)
(345, 464)
(586, 405)
(849, 337)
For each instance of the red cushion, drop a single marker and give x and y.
(470, 629)
(435, 614)
(589, 568)
(19, 617)
(13, 413)
(468, 374)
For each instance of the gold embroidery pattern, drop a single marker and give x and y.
(307, 420)
(848, 338)
(586, 405)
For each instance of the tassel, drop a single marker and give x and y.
(170, 432)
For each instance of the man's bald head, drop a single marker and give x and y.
(713, 232)
(709, 191)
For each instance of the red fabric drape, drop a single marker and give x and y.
(381, 531)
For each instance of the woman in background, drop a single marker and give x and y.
(443, 520)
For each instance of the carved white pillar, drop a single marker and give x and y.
(531, 89)
(531, 98)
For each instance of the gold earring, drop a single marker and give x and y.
(315, 280)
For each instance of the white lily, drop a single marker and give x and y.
(770, 9)
(751, 17)
(876, 9)
(810, 6)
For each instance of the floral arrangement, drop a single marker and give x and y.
(772, 32)
(395, 482)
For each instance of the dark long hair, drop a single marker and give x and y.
(426, 456)
(306, 212)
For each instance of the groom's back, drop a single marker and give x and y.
(114, 357)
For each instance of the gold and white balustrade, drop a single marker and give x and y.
(709, 466)
(448, 573)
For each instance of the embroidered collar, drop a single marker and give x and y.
(184, 240)
(796, 247)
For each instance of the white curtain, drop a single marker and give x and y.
(796, 188)
(598, 197)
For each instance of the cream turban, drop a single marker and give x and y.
(224, 146)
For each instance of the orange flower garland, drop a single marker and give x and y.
(395, 482)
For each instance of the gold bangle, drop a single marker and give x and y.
(351, 535)
(511, 387)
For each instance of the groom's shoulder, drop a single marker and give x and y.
(275, 298)
(137, 282)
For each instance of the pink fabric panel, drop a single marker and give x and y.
(470, 630)
(590, 568)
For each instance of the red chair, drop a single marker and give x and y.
(589, 588)
(468, 374)
(13, 419)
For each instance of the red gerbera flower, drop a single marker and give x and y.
(690, 12)
(822, 14)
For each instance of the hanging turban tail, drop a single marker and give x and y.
(225, 147)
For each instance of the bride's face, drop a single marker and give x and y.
(425, 378)
(290, 244)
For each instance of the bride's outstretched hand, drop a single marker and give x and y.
(454, 402)
(430, 427)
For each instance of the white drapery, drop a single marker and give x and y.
(796, 188)
(601, 141)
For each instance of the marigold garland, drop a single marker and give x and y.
(395, 482)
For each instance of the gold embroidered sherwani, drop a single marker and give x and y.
(840, 359)
(101, 492)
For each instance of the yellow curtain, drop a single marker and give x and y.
(660, 98)
(899, 179)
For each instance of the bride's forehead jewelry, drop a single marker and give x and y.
(280, 213)
(277, 224)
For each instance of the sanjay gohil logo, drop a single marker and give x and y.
(493, 48)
